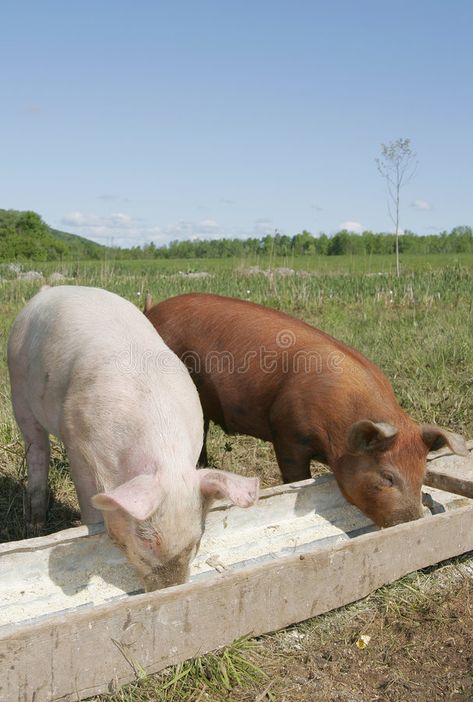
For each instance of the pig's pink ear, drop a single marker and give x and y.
(216, 484)
(139, 497)
(436, 438)
(367, 436)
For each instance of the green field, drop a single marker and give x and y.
(344, 264)
(418, 329)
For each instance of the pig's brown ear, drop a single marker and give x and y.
(436, 438)
(216, 484)
(366, 436)
(139, 497)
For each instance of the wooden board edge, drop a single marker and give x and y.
(443, 453)
(457, 484)
(449, 472)
(58, 537)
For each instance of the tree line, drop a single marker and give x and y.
(24, 235)
(459, 240)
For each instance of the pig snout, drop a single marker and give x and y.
(164, 576)
(174, 571)
(414, 511)
(157, 561)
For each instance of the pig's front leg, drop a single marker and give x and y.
(293, 460)
(86, 487)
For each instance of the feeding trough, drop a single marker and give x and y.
(74, 621)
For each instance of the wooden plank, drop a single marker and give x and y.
(92, 651)
(452, 473)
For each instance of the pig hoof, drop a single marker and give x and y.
(34, 529)
(35, 512)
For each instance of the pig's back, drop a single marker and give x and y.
(71, 314)
(261, 352)
(200, 321)
(234, 323)
(88, 352)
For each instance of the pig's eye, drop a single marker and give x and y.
(387, 478)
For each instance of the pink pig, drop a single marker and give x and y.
(88, 367)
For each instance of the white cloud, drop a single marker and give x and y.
(261, 227)
(354, 227)
(129, 231)
(186, 229)
(118, 228)
(209, 229)
(208, 225)
(421, 205)
(124, 230)
(118, 220)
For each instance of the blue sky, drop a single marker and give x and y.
(138, 121)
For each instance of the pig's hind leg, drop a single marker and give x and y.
(37, 459)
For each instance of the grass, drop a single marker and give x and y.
(320, 265)
(212, 677)
(419, 330)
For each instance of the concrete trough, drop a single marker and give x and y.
(74, 621)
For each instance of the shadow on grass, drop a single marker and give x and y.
(61, 514)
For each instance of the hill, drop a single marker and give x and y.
(24, 235)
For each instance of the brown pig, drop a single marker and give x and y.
(263, 373)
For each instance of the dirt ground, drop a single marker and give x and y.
(420, 649)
